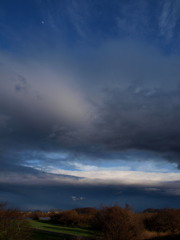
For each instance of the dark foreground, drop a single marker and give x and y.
(46, 235)
(172, 237)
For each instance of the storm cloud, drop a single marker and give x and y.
(123, 100)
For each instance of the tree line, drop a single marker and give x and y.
(108, 222)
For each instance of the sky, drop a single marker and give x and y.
(90, 103)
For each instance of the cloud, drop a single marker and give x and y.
(32, 187)
(74, 198)
(120, 177)
(79, 13)
(125, 96)
(168, 19)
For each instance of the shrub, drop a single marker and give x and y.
(67, 218)
(82, 217)
(117, 223)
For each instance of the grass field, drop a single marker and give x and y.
(47, 231)
(49, 228)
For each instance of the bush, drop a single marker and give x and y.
(81, 217)
(117, 223)
(66, 218)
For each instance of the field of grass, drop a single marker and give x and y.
(49, 228)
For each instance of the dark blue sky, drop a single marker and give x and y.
(89, 103)
(89, 23)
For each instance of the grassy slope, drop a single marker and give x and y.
(59, 229)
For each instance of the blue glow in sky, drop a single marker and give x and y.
(127, 161)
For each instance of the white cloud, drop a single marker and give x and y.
(151, 181)
(120, 177)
